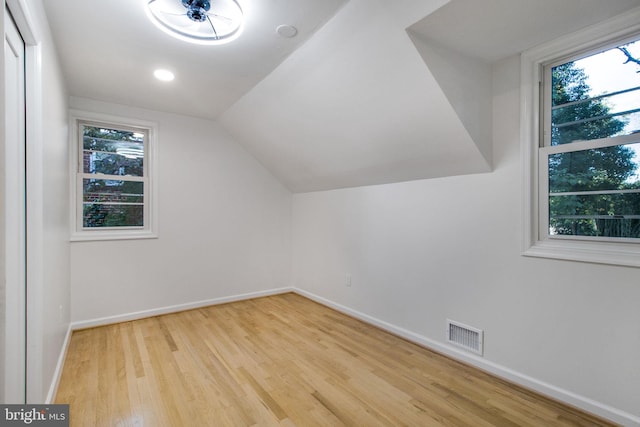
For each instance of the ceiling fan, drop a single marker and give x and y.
(197, 21)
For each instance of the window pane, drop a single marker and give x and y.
(595, 192)
(596, 97)
(112, 151)
(106, 215)
(604, 215)
(111, 203)
(111, 164)
(112, 191)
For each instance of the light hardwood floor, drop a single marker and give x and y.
(282, 361)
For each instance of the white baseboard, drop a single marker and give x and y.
(566, 396)
(84, 324)
(53, 388)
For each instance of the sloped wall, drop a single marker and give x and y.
(356, 105)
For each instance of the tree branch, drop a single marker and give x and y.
(630, 57)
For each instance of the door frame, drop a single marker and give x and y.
(25, 22)
(14, 209)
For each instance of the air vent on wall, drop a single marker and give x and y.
(465, 336)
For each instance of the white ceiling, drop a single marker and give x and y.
(369, 92)
(494, 29)
(109, 50)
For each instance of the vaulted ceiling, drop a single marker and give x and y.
(368, 92)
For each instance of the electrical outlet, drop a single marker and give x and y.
(347, 280)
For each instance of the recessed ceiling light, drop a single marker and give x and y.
(164, 75)
(197, 21)
(287, 31)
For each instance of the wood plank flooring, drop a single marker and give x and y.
(282, 361)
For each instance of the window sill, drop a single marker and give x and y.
(621, 254)
(89, 236)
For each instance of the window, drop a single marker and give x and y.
(591, 143)
(581, 130)
(113, 182)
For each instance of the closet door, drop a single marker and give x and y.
(13, 162)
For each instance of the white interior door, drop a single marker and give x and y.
(14, 205)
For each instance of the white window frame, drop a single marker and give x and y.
(536, 241)
(149, 229)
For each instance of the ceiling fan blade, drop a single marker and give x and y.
(215, 15)
(171, 13)
(212, 26)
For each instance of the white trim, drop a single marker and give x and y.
(14, 180)
(150, 230)
(24, 21)
(101, 321)
(627, 254)
(35, 225)
(21, 13)
(566, 396)
(57, 374)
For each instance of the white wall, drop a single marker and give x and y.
(224, 227)
(56, 297)
(423, 251)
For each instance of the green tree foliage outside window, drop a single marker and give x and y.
(597, 175)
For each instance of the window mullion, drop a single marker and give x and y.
(543, 192)
(86, 175)
(596, 118)
(546, 102)
(611, 141)
(595, 98)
